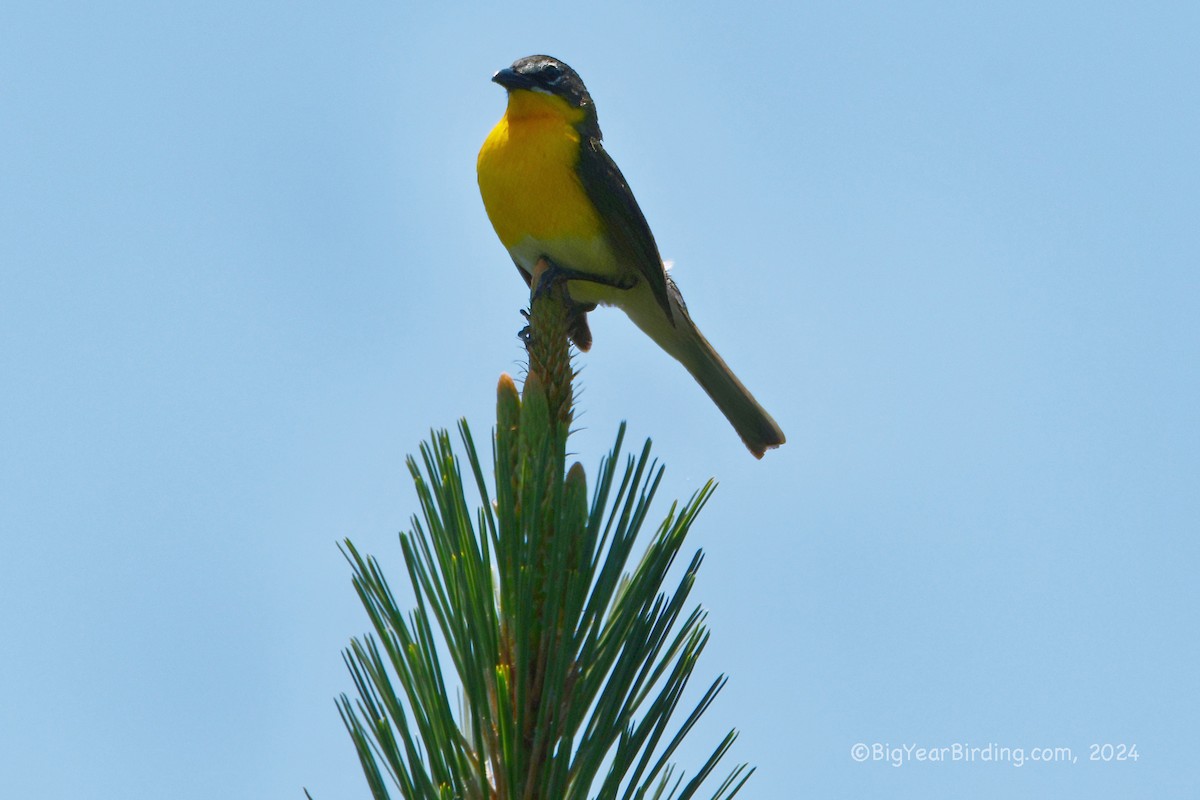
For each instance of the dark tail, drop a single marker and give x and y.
(749, 419)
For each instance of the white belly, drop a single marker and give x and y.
(585, 256)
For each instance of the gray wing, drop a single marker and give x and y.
(624, 222)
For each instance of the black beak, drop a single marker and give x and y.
(510, 79)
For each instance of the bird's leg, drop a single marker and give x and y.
(546, 273)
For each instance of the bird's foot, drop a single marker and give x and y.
(526, 333)
(546, 273)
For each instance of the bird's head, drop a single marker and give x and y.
(550, 78)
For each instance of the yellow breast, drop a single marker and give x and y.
(527, 176)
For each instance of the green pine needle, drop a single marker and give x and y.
(611, 647)
(571, 657)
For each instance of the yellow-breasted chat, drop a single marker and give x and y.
(554, 195)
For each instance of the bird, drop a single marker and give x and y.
(555, 196)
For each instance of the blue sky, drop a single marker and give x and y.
(244, 269)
